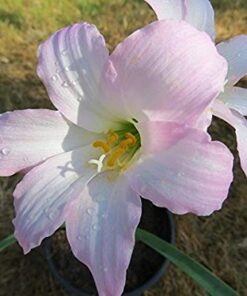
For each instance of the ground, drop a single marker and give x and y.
(218, 241)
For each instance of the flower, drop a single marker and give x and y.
(231, 105)
(124, 128)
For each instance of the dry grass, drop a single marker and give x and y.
(219, 241)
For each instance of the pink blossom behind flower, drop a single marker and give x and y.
(231, 104)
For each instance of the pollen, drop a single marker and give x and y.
(100, 144)
(114, 148)
(115, 155)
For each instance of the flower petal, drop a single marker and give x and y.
(71, 62)
(235, 98)
(28, 137)
(204, 121)
(237, 121)
(198, 13)
(41, 197)
(150, 78)
(192, 176)
(158, 135)
(101, 227)
(235, 52)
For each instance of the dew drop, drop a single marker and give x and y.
(51, 215)
(66, 69)
(80, 98)
(90, 211)
(104, 216)
(5, 151)
(46, 211)
(64, 52)
(94, 227)
(73, 82)
(54, 78)
(79, 238)
(65, 84)
(105, 269)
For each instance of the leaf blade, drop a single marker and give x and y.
(200, 274)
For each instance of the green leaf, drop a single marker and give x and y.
(213, 285)
(9, 240)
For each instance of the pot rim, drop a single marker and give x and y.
(136, 292)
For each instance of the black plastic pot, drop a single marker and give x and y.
(165, 223)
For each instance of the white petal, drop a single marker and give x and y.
(41, 197)
(199, 13)
(235, 98)
(101, 227)
(71, 63)
(235, 52)
(28, 137)
(237, 121)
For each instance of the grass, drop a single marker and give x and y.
(218, 241)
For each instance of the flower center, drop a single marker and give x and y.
(118, 149)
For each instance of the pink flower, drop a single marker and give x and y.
(124, 128)
(231, 105)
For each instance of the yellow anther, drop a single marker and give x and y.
(112, 139)
(115, 155)
(132, 137)
(103, 145)
(126, 143)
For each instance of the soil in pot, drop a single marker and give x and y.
(144, 263)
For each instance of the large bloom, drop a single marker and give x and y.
(231, 105)
(124, 128)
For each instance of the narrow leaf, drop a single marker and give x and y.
(9, 240)
(206, 279)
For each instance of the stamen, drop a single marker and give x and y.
(115, 155)
(132, 137)
(113, 138)
(103, 145)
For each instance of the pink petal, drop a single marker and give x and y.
(192, 176)
(101, 227)
(151, 81)
(235, 98)
(235, 52)
(30, 136)
(71, 62)
(237, 121)
(158, 135)
(204, 121)
(41, 197)
(198, 13)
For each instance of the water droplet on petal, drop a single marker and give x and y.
(5, 151)
(105, 269)
(90, 211)
(64, 52)
(65, 84)
(66, 69)
(46, 211)
(95, 227)
(54, 78)
(79, 237)
(51, 215)
(73, 82)
(104, 216)
(80, 98)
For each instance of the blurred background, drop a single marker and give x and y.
(219, 241)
